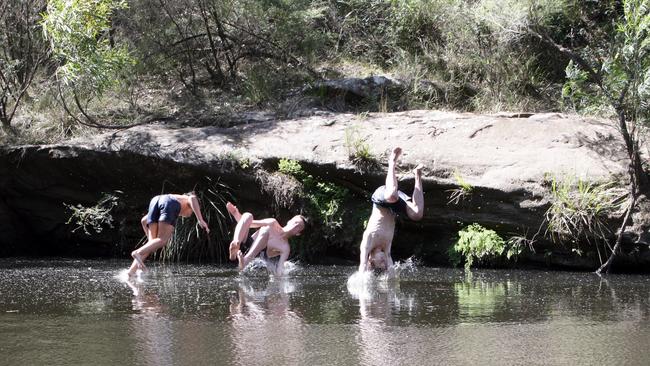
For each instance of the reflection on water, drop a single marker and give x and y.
(379, 298)
(151, 330)
(264, 328)
(77, 312)
(477, 299)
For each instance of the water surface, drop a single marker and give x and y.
(69, 312)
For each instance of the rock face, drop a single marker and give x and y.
(507, 159)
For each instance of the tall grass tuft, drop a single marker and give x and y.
(579, 211)
(359, 151)
(190, 242)
(461, 193)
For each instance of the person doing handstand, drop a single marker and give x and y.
(388, 202)
(271, 236)
(158, 224)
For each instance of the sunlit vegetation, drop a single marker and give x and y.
(121, 62)
(478, 245)
(93, 219)
(462, 192)
(359, 151)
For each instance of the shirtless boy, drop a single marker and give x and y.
(388, 202)
(271, 236)
(158, 223)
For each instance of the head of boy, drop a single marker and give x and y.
(296, 225)
(378, 259)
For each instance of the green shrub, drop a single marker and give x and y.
(325, 199)
(79, 34)
(291, 167)
(95, 217)
(478, 244)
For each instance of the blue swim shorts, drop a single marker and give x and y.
(163, 208)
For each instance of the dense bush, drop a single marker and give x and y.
(228, 55)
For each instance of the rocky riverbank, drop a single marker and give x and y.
(507, 160)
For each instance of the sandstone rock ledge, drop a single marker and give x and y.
(508, 160)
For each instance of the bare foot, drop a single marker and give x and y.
(133, 286)
(418, 170)
(397, 151)
(232, 209)
(233, 249)
(138, 259)
(240, 259)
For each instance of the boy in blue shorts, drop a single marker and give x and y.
(158, 224)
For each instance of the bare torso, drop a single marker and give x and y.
(277, 243)
(381, 228)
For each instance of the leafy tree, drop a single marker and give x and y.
(616, 76)
(234, 45)
(90, 62)
(22, 52)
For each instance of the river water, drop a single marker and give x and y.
(71, 312)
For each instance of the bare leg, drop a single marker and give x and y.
(134, 267)
(164, 232)
(241, 232)
(415, 208)
(150, 231)
(258, 245)
(390, 194)
(234, 211)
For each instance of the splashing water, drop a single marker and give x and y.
(258, 264)
(408, 267)
(123, 276)
(362, 285)
(254, 266)
(290, 267)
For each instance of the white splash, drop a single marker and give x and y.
(290, 267)
(270, 266)
(123, 276)
(254, 265)
(281, 285)
(409, 265)
(360, 285)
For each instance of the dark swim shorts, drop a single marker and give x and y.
(163, 208)
(398, 207)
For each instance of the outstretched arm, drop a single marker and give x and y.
(283, 258)
(389, 259)
(363, 257)
(196, 208)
